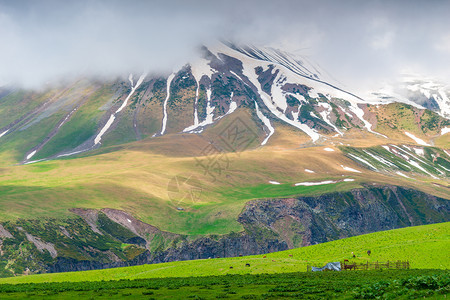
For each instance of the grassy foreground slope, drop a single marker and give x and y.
(426, 247)
(390, 284)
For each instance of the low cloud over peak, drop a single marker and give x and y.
(359, 42)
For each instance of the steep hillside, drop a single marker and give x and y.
(422, 246)
(111, 238)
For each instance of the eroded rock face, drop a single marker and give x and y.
(41, 246)
(96, 240)
(4, 233)
(305, 221)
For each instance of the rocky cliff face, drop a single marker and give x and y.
(306, 221)
(111, 238)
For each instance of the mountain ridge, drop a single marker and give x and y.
(282, 87)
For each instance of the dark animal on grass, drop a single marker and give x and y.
(350, 267)
(247, 265)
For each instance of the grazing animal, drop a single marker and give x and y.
(350, 267)
(264, 256)
(368, 252)
(247, 265)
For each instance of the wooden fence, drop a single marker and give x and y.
(346, 265)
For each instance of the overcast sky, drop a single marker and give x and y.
(359, 42)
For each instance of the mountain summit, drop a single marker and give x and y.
(277, 87)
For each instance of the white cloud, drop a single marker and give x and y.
(443, 44)
(383, 40)
(381, 33)
(356, 41)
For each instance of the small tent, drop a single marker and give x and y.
(333, 266)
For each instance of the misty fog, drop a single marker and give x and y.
(359, 42)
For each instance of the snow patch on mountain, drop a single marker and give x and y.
(67, 117)
(380, 159)
(233, 107)
(360, 114)
(363, 161)
(266, 122)
(249, 72)
(209, 116)
(196, 106)
(401, 174)
(164, 121)
(71, 153)
(415, 164)
(209, 108)
(315, 183)
(416, 139)
(278, 95)
(3, 133)
(350, 169)
(419, 151)
(31, 154)
(111, 119)
(108, 124)
(130, 78)
(200, 68)
(325, 114)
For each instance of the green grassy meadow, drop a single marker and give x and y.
(136, 178)
(425, 247)
(386, 284)
(272, 276)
